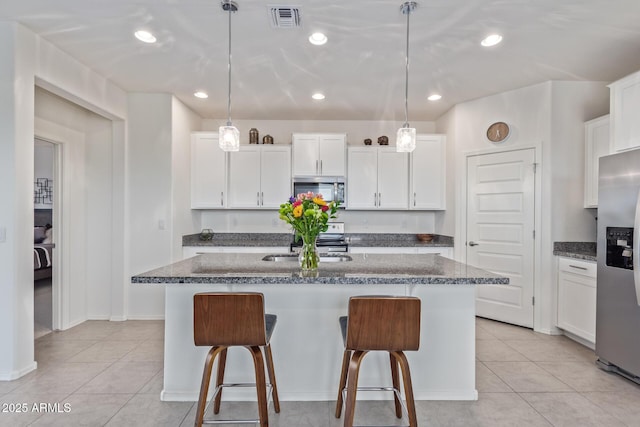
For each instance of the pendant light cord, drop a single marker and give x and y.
(229, 79)
(406, 77)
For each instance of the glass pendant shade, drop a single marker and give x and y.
(406, 140)
(229, 138)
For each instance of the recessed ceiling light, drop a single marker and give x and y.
(434, 97)
(318, 39)
(200, 94)
(491, 40)
(145, 36)
(319, 96)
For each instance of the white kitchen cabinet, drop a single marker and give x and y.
(577, 298)
(319, 154)
(596, 134)
(624, 108)
(428, 173)
(378, 178)
(208, 172)
(259, 176)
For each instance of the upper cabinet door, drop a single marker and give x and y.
(208, 172)
(244, 177)
(428, 173)
(624, 107)
(275, 175)
(393, 179)
(596, 133)
(319, 154)
(362, 180)
(332, 154)
(305, 154)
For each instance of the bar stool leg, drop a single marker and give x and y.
(396, 384)
(352, 387)
(408, 388)
(204, 387)
(343, 381)
(272, 378)
(220, 379)
(261, 385)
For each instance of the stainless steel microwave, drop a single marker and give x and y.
(331, 187)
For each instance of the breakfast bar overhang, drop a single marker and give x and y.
(307, 344)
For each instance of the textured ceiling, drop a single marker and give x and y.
(360, 69)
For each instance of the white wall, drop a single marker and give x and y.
(548, 117)
(159, 189)
(16, 210)
(185, 221)
(24, 59)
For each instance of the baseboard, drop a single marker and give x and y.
(147, 317)
(118, 318)
(14, 375)
(99, 317)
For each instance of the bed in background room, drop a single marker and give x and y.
(42, 244)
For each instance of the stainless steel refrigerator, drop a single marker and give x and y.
(618, 295)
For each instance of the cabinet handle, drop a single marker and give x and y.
(222, 198)
(258, 197)
(379, 199)
(317, 168)
(375, 199)
(578, 267)
(414, 198)
(320, 167)
(261, 199)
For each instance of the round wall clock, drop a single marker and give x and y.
(498, 132)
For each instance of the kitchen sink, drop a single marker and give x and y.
(294, 257)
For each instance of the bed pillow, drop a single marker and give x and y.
(48, 236)
(38, 234)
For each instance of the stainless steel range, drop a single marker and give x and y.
(332, 240)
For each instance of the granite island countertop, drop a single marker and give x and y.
(230, 268)
(284, 239)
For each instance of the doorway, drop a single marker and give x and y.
(500, 231)
(46, 205)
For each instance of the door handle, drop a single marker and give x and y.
(473, 244)
(635, 258)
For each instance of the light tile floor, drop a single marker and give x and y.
(110, 373)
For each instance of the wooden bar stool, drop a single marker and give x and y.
(222, 320)
(379, 323)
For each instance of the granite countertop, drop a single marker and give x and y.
(364, 269)
(578, 250)
(284, 239)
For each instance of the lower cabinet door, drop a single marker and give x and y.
(577, 298)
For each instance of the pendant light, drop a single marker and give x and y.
(229, 136)
(406, 138)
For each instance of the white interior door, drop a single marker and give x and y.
(500, 231)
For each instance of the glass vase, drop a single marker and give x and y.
(309, 257)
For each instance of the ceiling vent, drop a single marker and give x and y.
(284, 16)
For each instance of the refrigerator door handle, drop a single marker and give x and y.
(636, 250)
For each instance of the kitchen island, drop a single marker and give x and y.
(307, 344)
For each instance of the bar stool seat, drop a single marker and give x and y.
(379, 323)
(222, 320)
